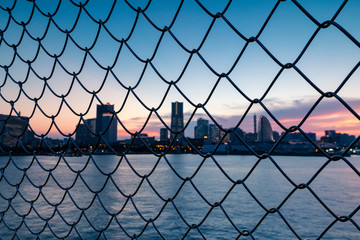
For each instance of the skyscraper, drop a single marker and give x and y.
(177, 118)
(83, 133)
(100, 110)
(214, 131)
(265, 133)
(201, 130)
(164, 134)
(105, 123)
(255, 124)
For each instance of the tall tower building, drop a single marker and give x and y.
(177, 118)
(100, 110)
(105, 121)
(255, 124)
(265, 133)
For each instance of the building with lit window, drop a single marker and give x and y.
(106, 123)
(201, 130)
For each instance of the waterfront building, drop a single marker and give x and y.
(234, 136)
(144, 140)
(177, 120)
(255, 124)
(250, 137)
(332, 138)
(214, 133)
(201, 130)
(296, 137)
(276, 135)
(12, 127)
(106, 123)
(100, 110)
(296, 142)
(84, 133)
(330, 133)
(109, 127)
(164, 134)
(265, 133)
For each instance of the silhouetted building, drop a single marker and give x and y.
(201, 130)
(109, 127)
(106, 123)
(214, 133)
(55, 143)
(12, 127)
(100, 110)
(276, 135)
(151, 141)
(84, 133)
(250, 137)
(164, 134)
(332, 138)
(296, 137)
(141, 142)
(312, 136)
(236, 144)
(255, 124)
(234, 136)
(330, 133)
(265, 133)
(296, 142)
(177, 120)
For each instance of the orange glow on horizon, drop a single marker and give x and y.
(323, 116)
(332, 121)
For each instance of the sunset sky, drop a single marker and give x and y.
(327, 62)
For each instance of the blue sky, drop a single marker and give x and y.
(327, 61)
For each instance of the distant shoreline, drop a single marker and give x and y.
(177, 153)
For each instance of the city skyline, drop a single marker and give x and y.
(207, 137)
(321, 120)
(177, 123)
(312, 124)
(327, 62)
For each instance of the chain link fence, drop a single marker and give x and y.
(40, 192)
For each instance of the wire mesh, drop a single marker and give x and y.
(21, 204)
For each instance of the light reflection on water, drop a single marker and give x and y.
(337, 186)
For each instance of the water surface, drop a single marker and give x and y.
(77, 193)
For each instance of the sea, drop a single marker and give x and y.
(179, 196)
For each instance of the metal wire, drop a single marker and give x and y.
(124, 44)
